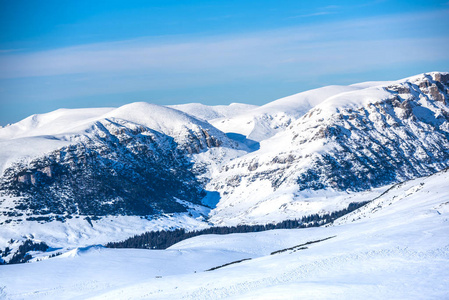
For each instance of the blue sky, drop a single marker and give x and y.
(71, 54)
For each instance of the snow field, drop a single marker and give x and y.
(400, 250)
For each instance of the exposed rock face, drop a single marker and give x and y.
(114, 169)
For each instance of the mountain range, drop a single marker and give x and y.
(334, 193)
(122, 171)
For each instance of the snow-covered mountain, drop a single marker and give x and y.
(312, 152)
(353, 141)
(133, 160)
(206, 112)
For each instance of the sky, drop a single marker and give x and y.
(72, 54)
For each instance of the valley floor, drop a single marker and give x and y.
(396, 247)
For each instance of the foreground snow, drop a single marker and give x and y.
(397, 247)
(78, 232)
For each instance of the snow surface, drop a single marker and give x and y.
(265, 121)
(160, 118)
(207, 112)
(53, 123)
(397, 247)
(264, 205)
(77, 231)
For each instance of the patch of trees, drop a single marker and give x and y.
(21, 255)
(302, 246)
(165, 238)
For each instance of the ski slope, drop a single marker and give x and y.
(396, 247)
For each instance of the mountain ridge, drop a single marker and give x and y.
(350, 142)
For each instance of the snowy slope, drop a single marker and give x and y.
(352, 141)
(56, 122)
(78, 231)
(206, 112)
(259, 123)
(396, 248)
(263, 122)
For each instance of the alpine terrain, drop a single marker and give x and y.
(354, 180)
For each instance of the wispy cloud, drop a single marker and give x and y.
(177, 55)
(220, 18)
(331, 7)
(3, 51)
(320, 13)
(289, 53)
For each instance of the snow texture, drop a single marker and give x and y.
(395, 247)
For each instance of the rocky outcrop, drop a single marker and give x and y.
(114, 169)
(351, 143)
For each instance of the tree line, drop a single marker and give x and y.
(21, 255)
(163, 239)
